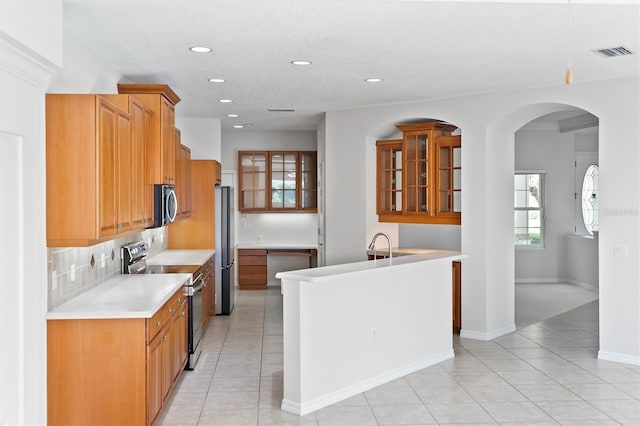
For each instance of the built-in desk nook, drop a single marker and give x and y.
(252, 262)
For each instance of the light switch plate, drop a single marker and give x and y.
(72, 273)
(621, 250)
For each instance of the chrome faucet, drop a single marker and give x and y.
(372, 245)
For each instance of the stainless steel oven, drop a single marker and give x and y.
(133, 262)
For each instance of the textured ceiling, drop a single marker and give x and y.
(423, 50)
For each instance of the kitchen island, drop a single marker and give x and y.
(348, 328)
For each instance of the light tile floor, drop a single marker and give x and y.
(543, 374)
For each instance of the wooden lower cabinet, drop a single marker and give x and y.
(252, 269)
(115, 371)
(457, 299)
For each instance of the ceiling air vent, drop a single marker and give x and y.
(613, 51)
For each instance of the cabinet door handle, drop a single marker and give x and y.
(158, 324)
(182, 313)
(170, 310)
(164, 338)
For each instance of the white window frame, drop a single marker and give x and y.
(542, 209)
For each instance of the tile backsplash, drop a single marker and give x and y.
(60, 260)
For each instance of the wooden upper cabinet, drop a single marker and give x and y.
(199, 231)
(277, 181)
(308, 184)
(218, 172)
(142, 197)
(183, 178)
(107, 122)
(169, 142)
(419, 176)
(252, 175)
(125, 175)
(161, 152)
(389, 183)
(90, 188)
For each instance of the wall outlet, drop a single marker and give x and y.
(72, 273)
(54, 280)
(103, 260)
(373, 335)
(259, 239)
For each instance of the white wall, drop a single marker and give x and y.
(83, 70)
(279, 228)
(581, 254)
(202, 136)
(36, 24)
(552, 152)
(488, 123)
(30, 52)
(441, 237)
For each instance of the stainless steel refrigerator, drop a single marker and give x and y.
(225, 249)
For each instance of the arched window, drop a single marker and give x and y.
(590, 195)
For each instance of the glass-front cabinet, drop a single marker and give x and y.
(277, 181)
(253, 180)
(308, 181)
(419, 176)
(283, 180)
(389, 154)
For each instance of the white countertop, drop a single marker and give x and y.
(327, 272)
(277, 246)
(180, 257)
(125, 296)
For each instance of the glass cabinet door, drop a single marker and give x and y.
(308, 185)
(389, 176)
(416, 172)
(283, 180)
(253, 180)
(449, 175)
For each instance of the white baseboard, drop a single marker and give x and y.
(302, 408)
(538, 280)
(489, 335)
(584, 285)
(623, 358)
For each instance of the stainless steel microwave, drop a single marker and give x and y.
(165, 205)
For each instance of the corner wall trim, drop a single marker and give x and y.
(489, 335)
(623, 358)
(302, 408)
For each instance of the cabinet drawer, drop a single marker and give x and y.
(154, 324)
(163, 315)
(252, 260)
(252, 275)
(252, 252)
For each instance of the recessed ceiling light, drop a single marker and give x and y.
(238, 126)
(301, 62)
(217, 80)
(200, 49)
(233, 115)
(225, 101)
(373, 80)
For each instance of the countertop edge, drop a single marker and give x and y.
(325, 273)
(67, 312)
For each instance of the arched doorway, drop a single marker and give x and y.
(556, 257)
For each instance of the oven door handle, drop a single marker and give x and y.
(194, 289)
